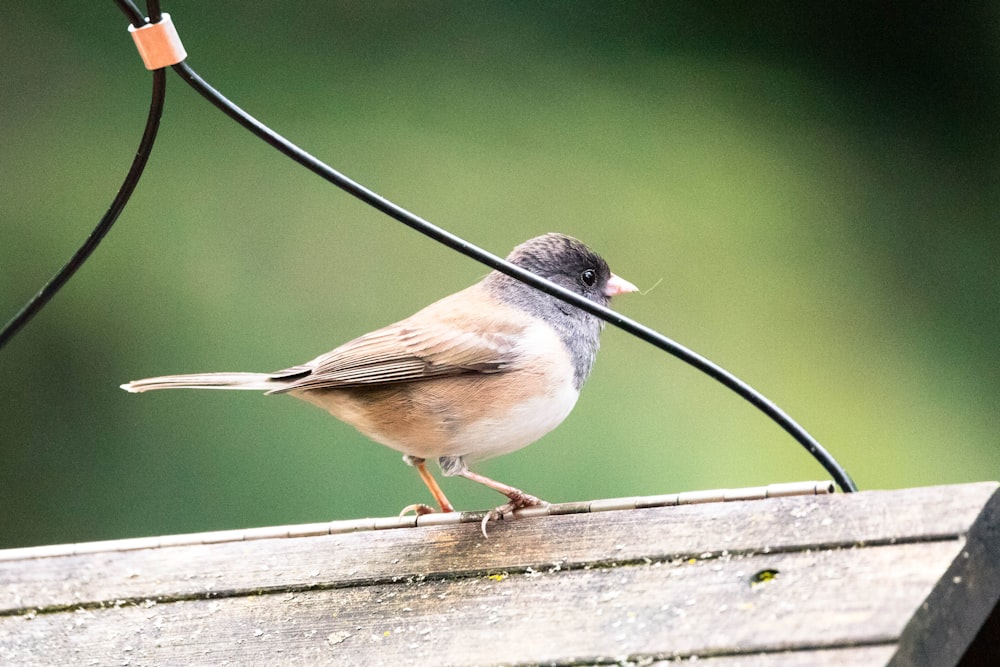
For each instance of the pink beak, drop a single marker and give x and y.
(617, 285)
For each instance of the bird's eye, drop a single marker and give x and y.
(589, 277)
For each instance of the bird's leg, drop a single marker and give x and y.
(518, 498)
(439, 497)
(455, 465)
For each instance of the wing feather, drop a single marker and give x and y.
(446, 338)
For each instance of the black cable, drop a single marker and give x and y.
(131, 12)
(117, 205)
(153, 7)
(402, 215)
(452, 241)
(50, 289)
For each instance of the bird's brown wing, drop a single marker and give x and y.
(443, 339)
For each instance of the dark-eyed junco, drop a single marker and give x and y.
(480, 373)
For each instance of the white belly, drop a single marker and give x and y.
(524, 424)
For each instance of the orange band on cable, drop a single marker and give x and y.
(158, 43)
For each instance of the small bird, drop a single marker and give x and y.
(480, 373)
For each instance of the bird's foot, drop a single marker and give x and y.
(517, 501)
(419, 509)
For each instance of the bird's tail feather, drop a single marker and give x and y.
(249, 381)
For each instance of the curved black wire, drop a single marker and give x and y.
(456, 243)
(56, 283)
(402, 215)
(131, 12)
(153, 7)
(117, 205)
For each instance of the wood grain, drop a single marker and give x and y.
(798, 580)
(604, 614)
(795, 523)
(964, 605)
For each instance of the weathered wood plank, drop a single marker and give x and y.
(336, 527)
(781, 524)
(964, 603)
(859, 656)
(633, 585)
(817, 599)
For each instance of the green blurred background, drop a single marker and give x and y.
(816, 186)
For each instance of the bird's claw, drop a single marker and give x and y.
(516, 503)
(418, 509)
(496, 514)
